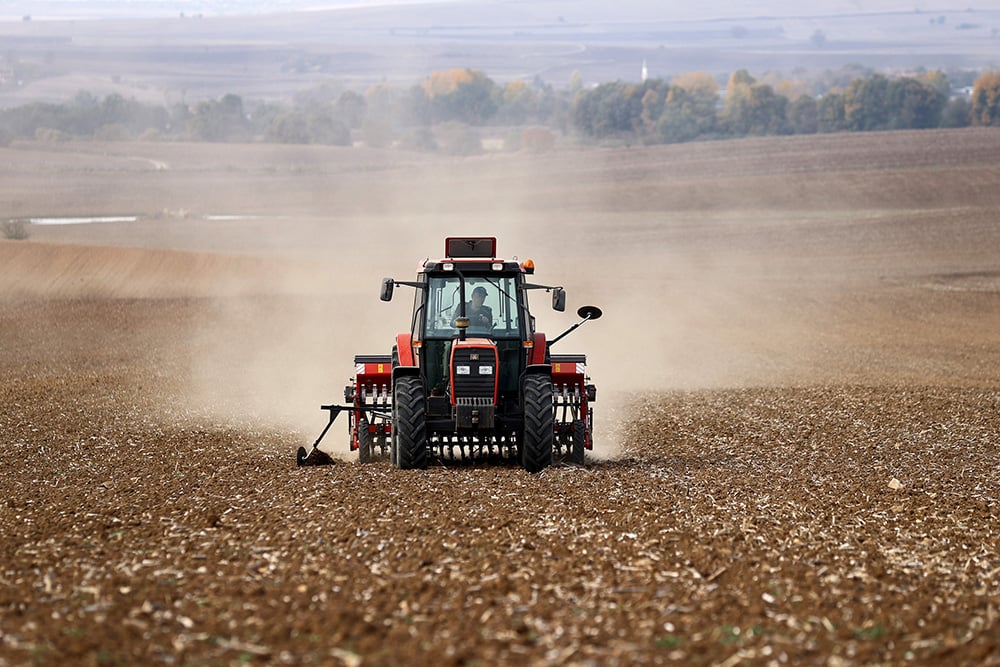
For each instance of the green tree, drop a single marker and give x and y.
(414, 108)
(956, 113)
(377, 132)
(687, 114)
(803, 115)
(350, 109)
(768, 111)
(866, 104)
(753, 108)
(419, 139)
(288, 128)
(914, 105)
(325, 128)
(830, 112)
(219, 120)
(610, 110)
(459, 139)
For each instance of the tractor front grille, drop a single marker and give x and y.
(473, 372)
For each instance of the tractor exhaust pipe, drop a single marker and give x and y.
(587, 313)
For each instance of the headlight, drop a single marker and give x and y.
(486, 370)
(462, 370)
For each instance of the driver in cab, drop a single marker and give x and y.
(480, 315)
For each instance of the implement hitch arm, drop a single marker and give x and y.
(316, 456)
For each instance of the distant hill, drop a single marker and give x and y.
(190, 53)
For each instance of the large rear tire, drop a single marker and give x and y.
(410, 426)
(539, 433)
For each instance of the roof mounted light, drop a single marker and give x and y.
(528, 266)
(447, 266)
(498, 266)
(483, 247)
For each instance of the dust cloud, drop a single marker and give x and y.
(668, 324)
(709, 271)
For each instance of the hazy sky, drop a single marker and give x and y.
(626, 10)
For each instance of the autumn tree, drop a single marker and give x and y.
(653, 102)
(737, 97)
(575, 82)
(700, 85)
(936, 79)
(986, 99)
(688, 113)
(382, 103)
(753, 108)
(689, 108)
(517, 102)
(464, 95)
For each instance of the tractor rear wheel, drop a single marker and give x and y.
(410, 426)
(539, 433)
(365, 441)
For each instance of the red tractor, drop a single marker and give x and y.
(471, 379)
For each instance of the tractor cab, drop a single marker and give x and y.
(472, 306)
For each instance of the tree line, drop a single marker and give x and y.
(692, 107)
(443, 111)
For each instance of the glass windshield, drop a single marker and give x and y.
(490, 305)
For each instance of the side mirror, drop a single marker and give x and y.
(387, 286)
(558, 299)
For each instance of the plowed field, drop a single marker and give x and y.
(798, 412)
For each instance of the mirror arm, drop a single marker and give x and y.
(573, 328)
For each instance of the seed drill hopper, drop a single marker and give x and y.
(472, 379)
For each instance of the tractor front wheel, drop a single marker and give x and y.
(410, 426)
(539, 432)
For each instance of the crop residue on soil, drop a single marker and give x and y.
(798, 403)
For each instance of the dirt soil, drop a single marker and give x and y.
(798, 409)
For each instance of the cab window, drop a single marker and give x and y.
(491, 304)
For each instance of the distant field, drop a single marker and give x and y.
(727, 229)
(188, 58)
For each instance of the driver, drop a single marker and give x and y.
(480, 315)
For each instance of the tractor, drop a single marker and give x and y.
(472, 379)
